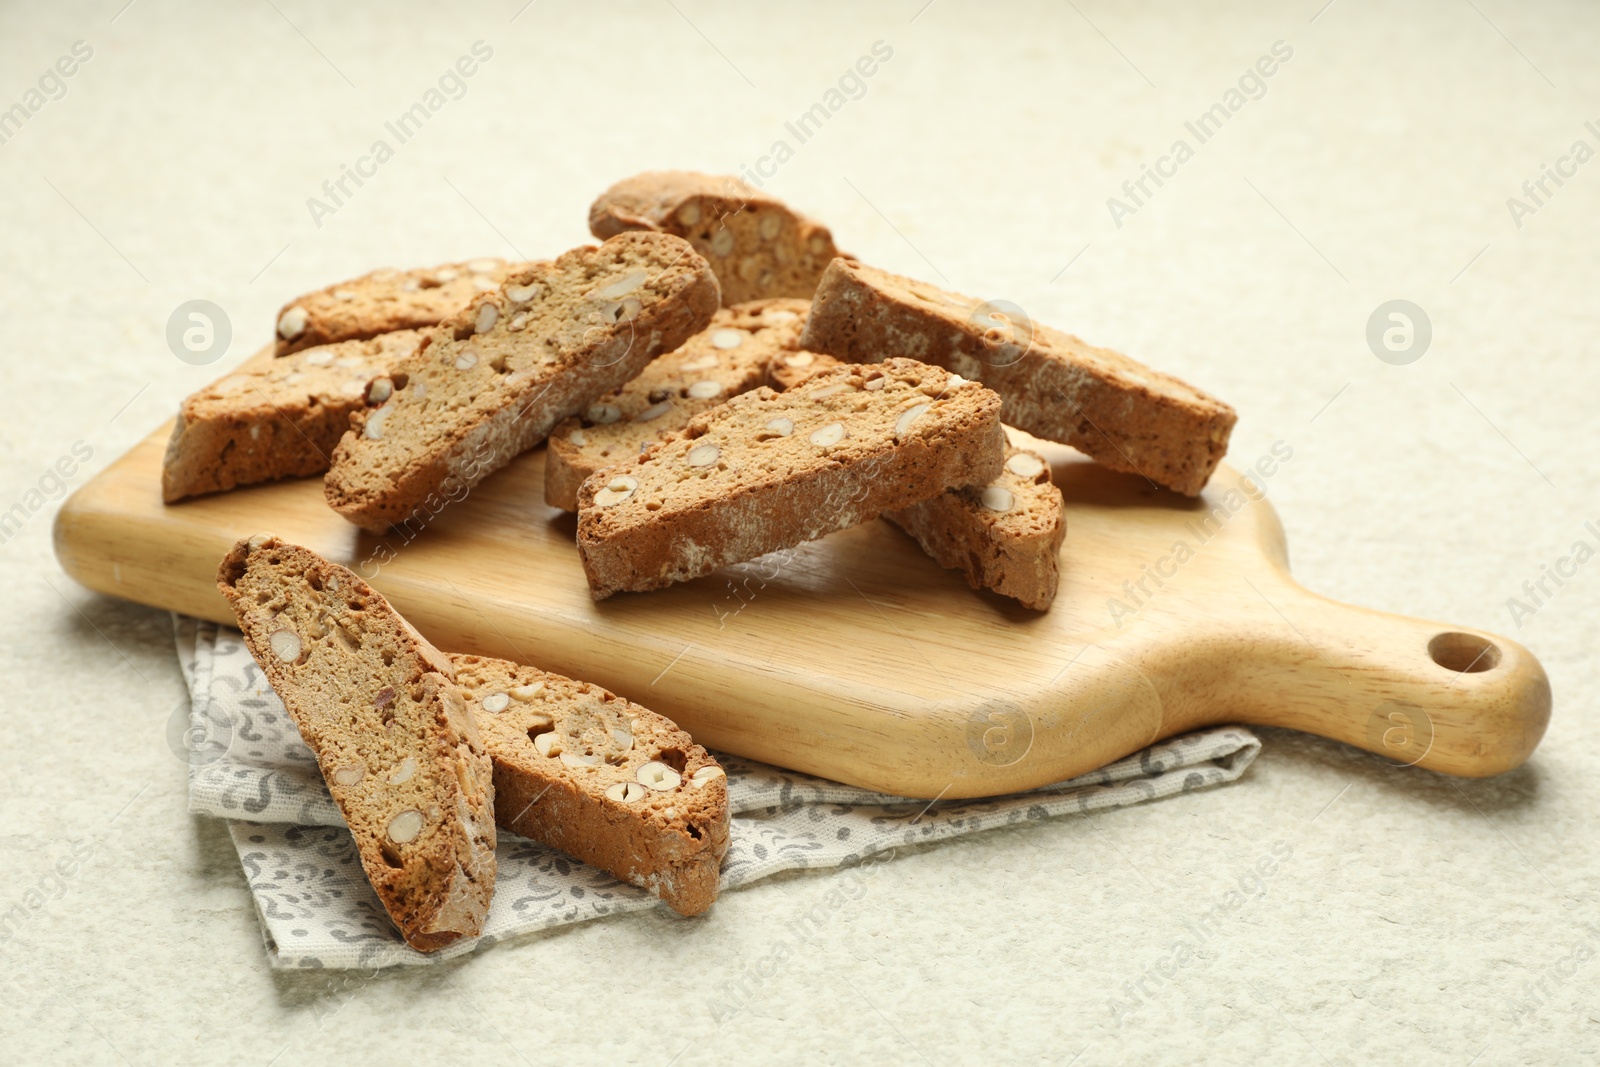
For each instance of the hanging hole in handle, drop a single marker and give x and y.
(1464, 653)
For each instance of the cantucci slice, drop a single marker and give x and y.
(604, 780)
(281, 419)
(769, 470)
(379, 708)
(384, 301)
(756, 244)
(1117, 411)
(493, 381)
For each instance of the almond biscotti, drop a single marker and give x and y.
(279, 420)
(756, 244)
(384, 301)
(492, 381)
(1005, 536)
(391, 732)
(725, 359)
(770, 470)
(605, 780)
(1117, 411)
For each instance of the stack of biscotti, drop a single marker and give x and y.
(771, 470)
(396, 744)
(602, 779)
(1117, 411)
(727, 358)
(495, 379)
(281, 419)
(758, 247)
(384, 301)
(425, 753)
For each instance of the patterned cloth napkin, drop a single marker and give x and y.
(248, 765)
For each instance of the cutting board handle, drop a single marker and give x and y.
(1419, 693)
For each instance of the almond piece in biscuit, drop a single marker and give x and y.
(785, 370)
(1117, 411)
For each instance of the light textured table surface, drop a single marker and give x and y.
(1409, 916)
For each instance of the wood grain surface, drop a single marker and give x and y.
(859, 659)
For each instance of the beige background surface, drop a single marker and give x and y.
(1413, 916)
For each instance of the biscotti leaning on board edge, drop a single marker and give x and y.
(602, 779)
(770, 470)
(393, 737)
(725, 359)
(493, 381)
(280, 419)
(756, 244)
(1117, 411)
(1005, 536)
(384, 301)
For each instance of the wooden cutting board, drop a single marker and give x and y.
(859, 659)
